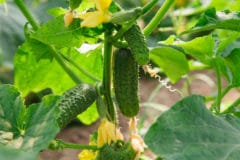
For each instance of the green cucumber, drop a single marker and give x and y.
(75, 101)
(125, 78)
(137, 44)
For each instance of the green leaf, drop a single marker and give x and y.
(7, 153)
(217, 20)
(11, 112)
(33, 75)
(232, 61)
(55, 33)
(40, 50)
(74, 4)
(190, 131)
(31, 129)
(172, 61)
(200, 48)
(227, 41)
(223, 4)
(58, 11)
(11, 24)
(41, 126)
(90, 115)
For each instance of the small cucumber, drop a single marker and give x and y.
(125, 78)
(74, 102)
(137, 44)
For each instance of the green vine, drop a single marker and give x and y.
(107, 72)
(158, 17)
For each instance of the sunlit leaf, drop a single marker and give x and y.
(172, 61)
(32, 74)
(190, 131)
(89, 116)
(200, 48)
(233, 5)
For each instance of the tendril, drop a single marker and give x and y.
(165, 83)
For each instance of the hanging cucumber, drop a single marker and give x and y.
(125, 78)
(74, 102)
(137, 44)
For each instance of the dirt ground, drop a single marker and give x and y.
(203, 83)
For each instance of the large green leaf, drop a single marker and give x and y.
(34, 75)
(7, 153)
(30, 130)
(172, 61)
(190, 131)
(217, 20)
(200, 48)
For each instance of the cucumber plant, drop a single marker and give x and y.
(91, 55)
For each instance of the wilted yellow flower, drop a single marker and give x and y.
(68, 18)
(132, 125)
(136, 141)
(107, 133)
(151, 71)
(101, 15)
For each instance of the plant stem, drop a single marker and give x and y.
(226, 90)
(121, 32)
(157, 18)
(68, 70)
(149, 6)
(58, 144)
(107, 72)
(217, 103)
(26, 13)
(89, 75)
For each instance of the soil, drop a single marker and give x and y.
(203, 84)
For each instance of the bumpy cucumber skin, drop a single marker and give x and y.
(125, 78)
(74, 102)
(137, 44)
(116, 151)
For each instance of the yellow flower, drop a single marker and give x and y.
(107, 133)
(87, 155)
(101, 15)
